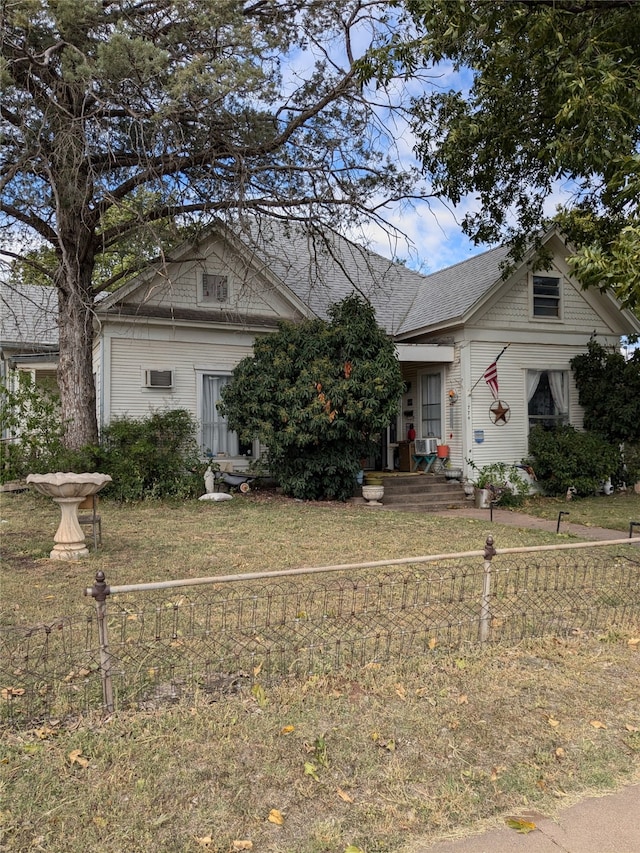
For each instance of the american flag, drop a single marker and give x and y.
(491, 378)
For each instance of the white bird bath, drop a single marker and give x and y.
(68, 490)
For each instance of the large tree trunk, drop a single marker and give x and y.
(75, 325)
(75, 371)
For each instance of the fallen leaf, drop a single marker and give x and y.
(204, 841)
(243, 845)
(353, 849)
(10, 692)
(560, 753)
(631, 728)
(257, 670)
(520, 825)
(276, 817)
(463, 699)
(344, 796)
(400, 691)
(432, 642)
(311, 770)
(286, 730)
(634, 642)
(76, 757)
(100, 821)
(553, 722)
(44, 732)
(597, 724)
(257, 691)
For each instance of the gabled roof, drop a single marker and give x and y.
(450, 294)
(321, 268)
(28, 317)
(317, 268)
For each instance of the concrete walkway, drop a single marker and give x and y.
(520, 519)
(605, 824)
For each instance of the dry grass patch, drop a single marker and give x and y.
(612, 511)
(380, 758)
(155, 541)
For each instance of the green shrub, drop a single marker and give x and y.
(317, 394)
(565, 457)
(154, 457)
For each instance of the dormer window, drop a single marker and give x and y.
(546, 296)
(215, 288)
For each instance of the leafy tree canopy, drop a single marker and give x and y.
(609, 391)
(318, 394)
(124, 123)
(554, 96)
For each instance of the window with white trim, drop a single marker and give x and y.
(546, 296)
(216, 435)
(215, 288)
(431, 405)
(548, 396)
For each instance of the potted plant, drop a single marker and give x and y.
(452, 473)
(498, 483)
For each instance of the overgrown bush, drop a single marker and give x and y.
(609, 391)
(317, 394)
(154, 457)
(565, 457)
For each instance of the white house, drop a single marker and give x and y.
(171, 337)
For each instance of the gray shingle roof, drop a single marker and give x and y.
(449, 294)
(320, 268)
(323, 268)
(28, 317)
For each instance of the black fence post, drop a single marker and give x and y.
(99, 591)
(560, 514)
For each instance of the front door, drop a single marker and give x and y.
(431, 405)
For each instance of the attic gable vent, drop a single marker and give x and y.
(158, 378)
(215, 288)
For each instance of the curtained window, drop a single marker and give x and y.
(548, 396)
(216, 436)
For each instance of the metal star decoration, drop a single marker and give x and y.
(499, 412)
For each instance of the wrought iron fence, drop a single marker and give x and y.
(148, 644)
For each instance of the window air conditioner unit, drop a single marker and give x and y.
(426, 446)
(158, 378)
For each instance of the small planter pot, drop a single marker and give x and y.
(469, 490)
(453, 473)
(373, 495)
(483, 498)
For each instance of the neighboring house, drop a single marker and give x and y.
(171, 337)
(28, 334)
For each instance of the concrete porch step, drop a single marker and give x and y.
(422, 492)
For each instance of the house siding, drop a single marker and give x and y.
(509, 442)
(185, 352)
(510, 309)
(180, 286)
